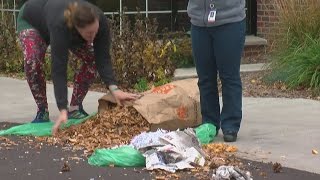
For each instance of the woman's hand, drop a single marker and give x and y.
(121, 96)
(63, 118)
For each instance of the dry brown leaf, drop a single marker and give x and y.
(206, 169)
(277, 167)
(315, 152)
(263, 174)
(65, 167)
(232, 149)
(72, 140)
(160, 177)
(175, 176)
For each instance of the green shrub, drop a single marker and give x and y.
(300, 66)
(138, 51)
(142, 85)
(298, 20)
(74, 64)
(296, 59)
(182, 57)
(11, 58)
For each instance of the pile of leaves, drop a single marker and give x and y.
(116, 126)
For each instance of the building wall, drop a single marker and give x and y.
(267, 19)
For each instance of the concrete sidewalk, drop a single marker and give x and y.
(184, 73)
(282, 130)
(18, 106)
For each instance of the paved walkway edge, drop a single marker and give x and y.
(184, 73)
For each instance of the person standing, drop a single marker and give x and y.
(218, 35)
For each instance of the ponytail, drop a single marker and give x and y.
(69, 14)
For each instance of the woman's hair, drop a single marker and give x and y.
(80, 15)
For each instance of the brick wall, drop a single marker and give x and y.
(267, 19)
(254, 54)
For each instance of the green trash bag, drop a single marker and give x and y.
(124, 156)
(39, 129)
(206, 133)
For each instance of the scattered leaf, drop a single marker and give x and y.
(232, 149)
(263, 174)
(65, 167)
(277, 167)
(160, 178)
(315, 152)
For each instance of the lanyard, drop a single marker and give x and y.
(212, 13)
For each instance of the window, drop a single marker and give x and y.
(171, 14)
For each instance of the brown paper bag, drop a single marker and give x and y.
(172, 106)
(190, 86)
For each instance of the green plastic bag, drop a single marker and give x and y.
(124, 156)
(39, 129)
(206, 133)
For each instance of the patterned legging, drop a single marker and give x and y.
(34, 49)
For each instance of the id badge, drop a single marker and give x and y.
(212, 16)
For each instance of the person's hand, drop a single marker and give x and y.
(63, 118)
(121, 96)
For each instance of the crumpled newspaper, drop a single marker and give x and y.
(170, 151)
(183, 140)
(231, 172)
(145, 140)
